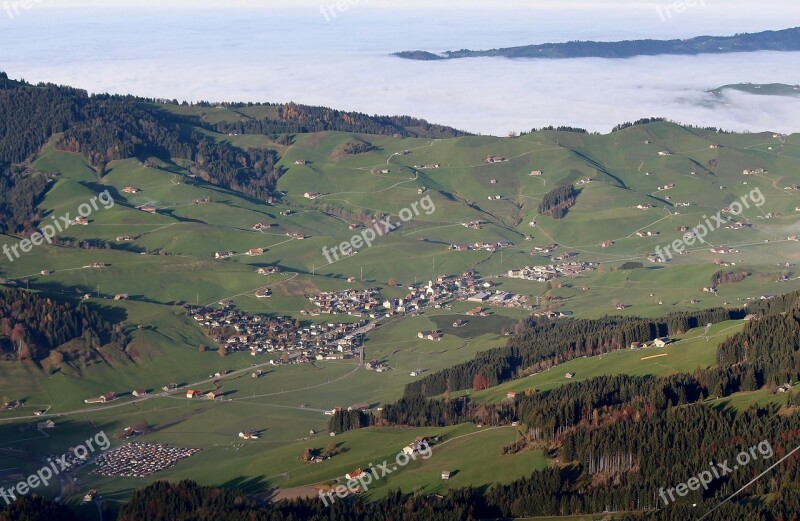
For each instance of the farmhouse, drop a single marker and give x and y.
(536, 173)
(429, 335)
(255, 252)
(355, 474)
(139, 393)
(312, 195)
(131, 190)
(661, 342)
(268, 270)
(149, 208)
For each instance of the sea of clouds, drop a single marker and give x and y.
(296, 54)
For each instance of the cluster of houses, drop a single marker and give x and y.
(138, 460)
(753, 171)
(353, 302)
(197, 393)
(432, 166)
(482, 246)
(723, 250)
(545, 273)
(236, 330)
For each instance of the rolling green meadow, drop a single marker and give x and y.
(170, 261)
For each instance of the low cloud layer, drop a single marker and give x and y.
(346, 65)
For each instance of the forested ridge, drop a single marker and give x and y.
(106, 127)
(296, 118)
(542, 343)
(784, 40)
(32, 325)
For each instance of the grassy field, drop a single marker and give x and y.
(171, 261)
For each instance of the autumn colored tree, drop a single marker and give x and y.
(480, 382)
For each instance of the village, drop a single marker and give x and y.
(552, 271)
(236, 330)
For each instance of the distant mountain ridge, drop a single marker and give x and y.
(783, 40)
